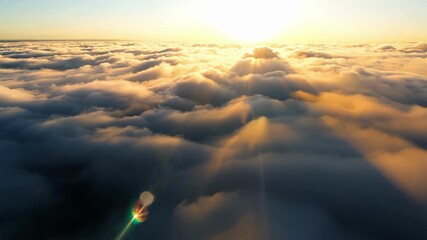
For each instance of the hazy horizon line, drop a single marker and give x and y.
(228, 42)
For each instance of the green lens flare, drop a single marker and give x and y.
(139, 212)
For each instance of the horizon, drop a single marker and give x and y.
(242, 44)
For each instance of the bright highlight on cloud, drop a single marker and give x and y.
(236, 142)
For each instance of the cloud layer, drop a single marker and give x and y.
(236, 142)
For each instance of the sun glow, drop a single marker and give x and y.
(252, 21)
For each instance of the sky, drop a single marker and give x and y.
(190, 20)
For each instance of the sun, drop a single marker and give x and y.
(249, 20)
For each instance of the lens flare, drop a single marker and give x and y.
(139, 211)
(146, 198)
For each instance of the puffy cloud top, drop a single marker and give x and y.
(262, 52)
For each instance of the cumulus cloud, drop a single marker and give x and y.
(419, 47)
(261, 61)
(308, 54)
(236, 142)
(262, 52)
(387, 48)
(9, 96)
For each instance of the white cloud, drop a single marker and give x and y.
(228, 137)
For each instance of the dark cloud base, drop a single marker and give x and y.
(283, 142)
